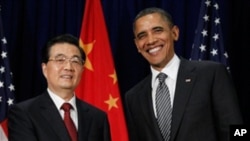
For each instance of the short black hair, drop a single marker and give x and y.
(164, 14)
(64, 38)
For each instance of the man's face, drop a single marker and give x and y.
(63, 75)
(154, 39)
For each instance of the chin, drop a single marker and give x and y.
(67, 86)
(157, 65)
(155, 62)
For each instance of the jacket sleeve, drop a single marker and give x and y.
(225, 102)
(19, 126)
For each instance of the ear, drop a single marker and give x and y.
(136, 43)
(44, 69)
(175, 33)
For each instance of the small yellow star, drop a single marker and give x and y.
(87, 48)
(112, 102)
(114, 77)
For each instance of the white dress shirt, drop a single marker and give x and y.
(171, 70)
(59, 102)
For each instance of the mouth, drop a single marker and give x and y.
(66, 76)
(154, 50)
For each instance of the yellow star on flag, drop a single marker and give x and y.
(112, 102)
(114, 77)
(87, 48)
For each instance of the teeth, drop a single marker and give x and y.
(154, 49)
(66, 76)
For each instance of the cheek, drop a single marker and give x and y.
(51, 72)
(79, 74)
(79, 71)
(139, 49)
(139, 45)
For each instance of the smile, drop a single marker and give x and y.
(154, 50)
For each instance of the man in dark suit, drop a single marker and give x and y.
(203, 101)
(42, 118)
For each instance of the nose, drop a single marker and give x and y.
(151, 39)
(68, 64)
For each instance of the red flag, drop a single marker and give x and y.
(99, 85)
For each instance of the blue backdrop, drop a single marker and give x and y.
(29, 24)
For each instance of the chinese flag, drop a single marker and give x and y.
(99, 85)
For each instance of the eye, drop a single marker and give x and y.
(141, 36)
(76, 60)
(158, 30)
(60, 59)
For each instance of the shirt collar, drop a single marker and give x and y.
(171, 69)
(59, 101)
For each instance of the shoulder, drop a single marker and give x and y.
(204, 65)
(26, 109)
(91, 109)
(29, 103)
(141, 85)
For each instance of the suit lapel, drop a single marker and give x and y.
(145, 96)
(147, 108)
(84, 121)
(185, 82)
(53, 118)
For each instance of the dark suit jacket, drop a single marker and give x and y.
(205, 104)
(38, 119)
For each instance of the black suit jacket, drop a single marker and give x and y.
(38, 119)
(205, 104)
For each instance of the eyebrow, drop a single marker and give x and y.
(158, 27)
(139, 34)
(60, 54)
(77, 56)
(154, 28)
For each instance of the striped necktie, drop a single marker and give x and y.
(163, 107)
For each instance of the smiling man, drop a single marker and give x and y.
(57, 114)
(180, 100)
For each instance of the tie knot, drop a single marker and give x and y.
(162, 77)
(66, 107)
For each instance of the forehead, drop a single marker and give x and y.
(64, 48)
(149, 21)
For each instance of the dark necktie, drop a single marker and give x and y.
(163, 107)
(69, 122)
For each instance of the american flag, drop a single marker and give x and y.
(6, 86)
(208, 40)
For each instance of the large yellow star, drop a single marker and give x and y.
(87, 48)
(114, 77)
(112, 102)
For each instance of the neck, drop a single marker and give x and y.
(63, 93)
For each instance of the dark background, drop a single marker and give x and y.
(29, 24)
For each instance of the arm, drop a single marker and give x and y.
(130, 123)
(106, 131)
(19, 125)
(226, 107)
